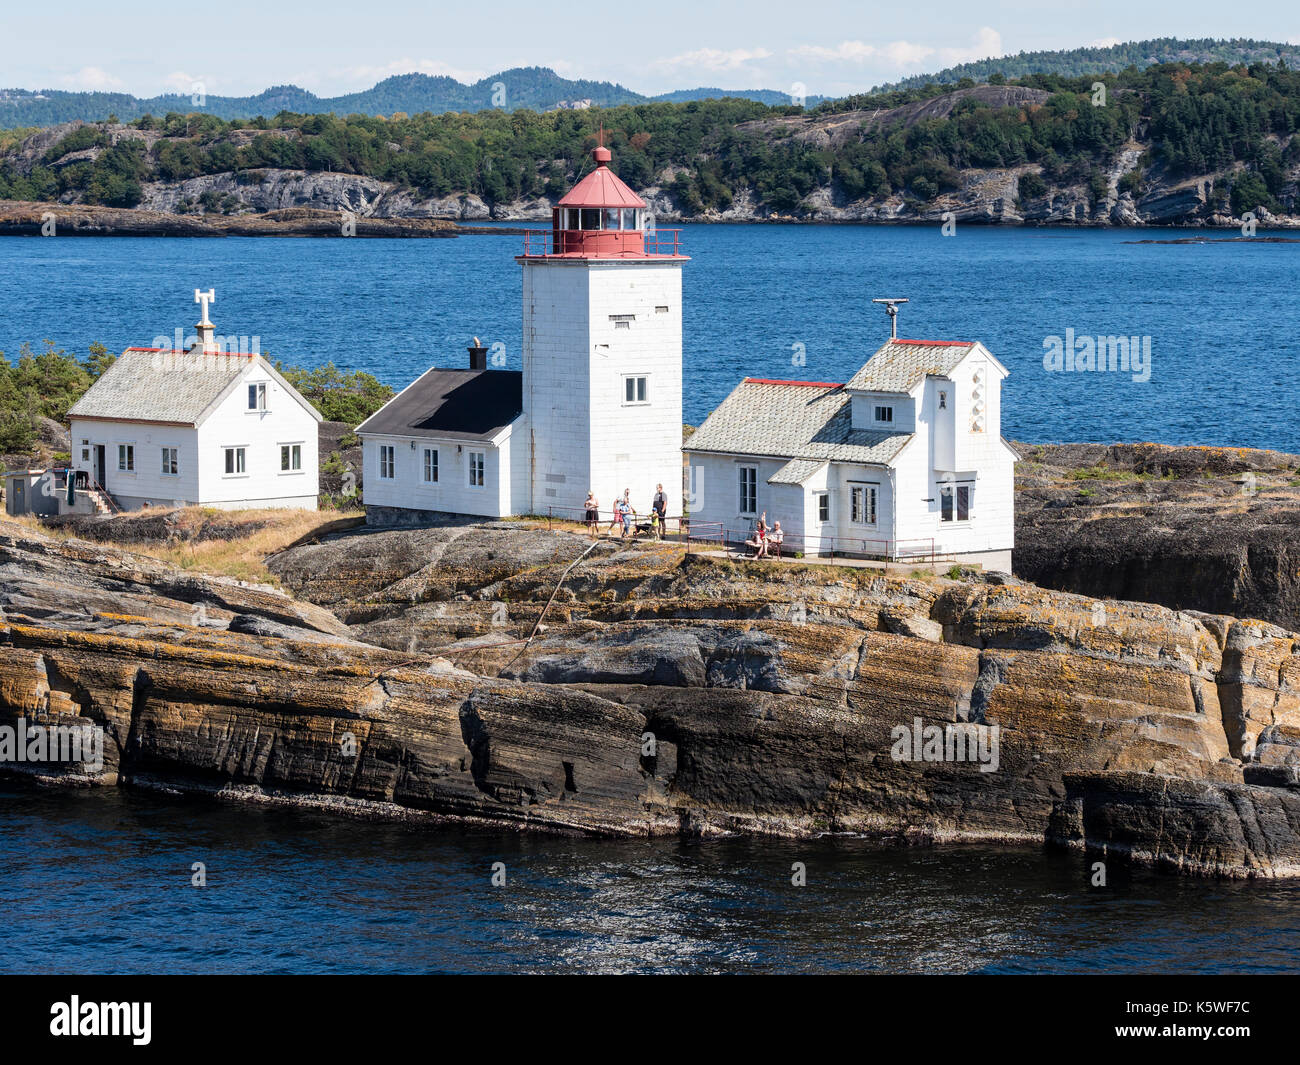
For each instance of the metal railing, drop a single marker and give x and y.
(542, 243)
(676, 529)
(718, 535)
(83, 481)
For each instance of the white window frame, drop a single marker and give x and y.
(170, 468)
(864, 501)
(295, 450)
(953, 492)
(822, 500)
(239, 454)
(257, 399)
(126, 458)
(477, 469)
(643, 388)
(387, 461)
(884, 413)
(429, 466)
(748, 487)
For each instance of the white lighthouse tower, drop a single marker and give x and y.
(602, 350)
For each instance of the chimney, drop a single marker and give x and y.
(204, 327)
(477, 355)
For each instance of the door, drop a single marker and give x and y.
(99, 464)
(20, 497)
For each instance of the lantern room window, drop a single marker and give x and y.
(601, 218)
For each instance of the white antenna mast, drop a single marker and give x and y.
(891, 306)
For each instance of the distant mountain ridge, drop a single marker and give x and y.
(1110, 59)
(531, 88)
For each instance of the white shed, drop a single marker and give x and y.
(205, 427)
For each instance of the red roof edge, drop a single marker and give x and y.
(936, 343)
(804, 384)
(177, 351)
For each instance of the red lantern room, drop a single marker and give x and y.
(601, 218)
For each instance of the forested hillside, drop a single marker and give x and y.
(1103, 59)
(522, 88)
(1163, 124)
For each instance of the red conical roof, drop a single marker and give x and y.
(602, 187)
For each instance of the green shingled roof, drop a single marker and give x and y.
(147, 385)
(900, 364)
(793, 420)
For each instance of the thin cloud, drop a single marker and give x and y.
(713, 60)
(987, 42)
(91, 79)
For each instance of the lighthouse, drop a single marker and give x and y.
(602, 350)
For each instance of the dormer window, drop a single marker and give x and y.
(885, 415)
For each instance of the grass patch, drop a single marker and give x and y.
(242, 554)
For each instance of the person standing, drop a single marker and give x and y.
(592, 508)
(660, 506)
(629, 514)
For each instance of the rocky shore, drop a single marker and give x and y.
(662, 693)
(21, 219)
(1201, 528)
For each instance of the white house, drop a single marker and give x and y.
(904, 461)
(200, 426)
(598, 405)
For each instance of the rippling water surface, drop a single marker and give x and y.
(1223, 320)
(100, 882)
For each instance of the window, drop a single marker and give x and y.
(885, 414)
(862, 504)
(85, 451)
(612, 215)
(630, 220)
(636, 390)
(476, 469)
(170, 462)
(257, 397)
(943, 400)
(387, 462)
(590, 217)
(823, 507)
(661, 309)
(126, 458)
(290, 458)
(430, 465)
(236, 461)
(748, 489)
(960, 495)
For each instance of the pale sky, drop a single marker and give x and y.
(831, 47)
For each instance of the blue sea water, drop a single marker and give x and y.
(100, 882)
(1224, 319)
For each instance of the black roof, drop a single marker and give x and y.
(455, 403)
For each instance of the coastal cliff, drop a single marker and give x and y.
(1202, 528)
(663, 693)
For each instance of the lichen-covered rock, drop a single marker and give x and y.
(662, 692)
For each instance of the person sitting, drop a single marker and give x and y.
(759, 540)
(774, 540)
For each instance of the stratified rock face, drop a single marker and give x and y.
(1194, 528)
(669, 693)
